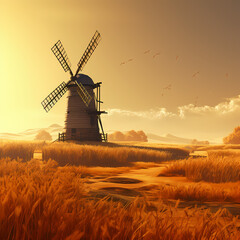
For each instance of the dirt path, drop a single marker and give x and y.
(139, 182)
(137, 178)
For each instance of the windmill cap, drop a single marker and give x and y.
(84, 80)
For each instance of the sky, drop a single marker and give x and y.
(166, 66)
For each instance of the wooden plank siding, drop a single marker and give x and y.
(79, 123)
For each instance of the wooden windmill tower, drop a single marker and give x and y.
(83, 110)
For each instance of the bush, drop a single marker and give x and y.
(44, 136)
(132, 135)
(234, 137)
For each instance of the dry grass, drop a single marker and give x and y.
(43, 201)
(215, 154)
(221, 171)
(177, 151)
(201, 192)
(219, 147)
(154, 145)
(217, 168)
(211, 147)
(232, 146)
(39, 200)
(86, 155)
(19, 149)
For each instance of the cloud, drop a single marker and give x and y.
(223, 108)
(229, 106)
(202, 122)
(158, 113)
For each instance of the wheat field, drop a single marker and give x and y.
(43, 201)
(86, 155)
(52, 199)
(19, 149)
(222, 166)
(216, 178)
(201, 192)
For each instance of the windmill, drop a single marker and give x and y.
(83, 109)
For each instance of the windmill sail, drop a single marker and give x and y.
(54, 96)
(83, 93)
(61, 55)
(88, 52)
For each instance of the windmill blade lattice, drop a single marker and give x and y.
(83, 93)
(61, 55)
(88, 52)
(54, 96)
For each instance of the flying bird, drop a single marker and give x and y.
(156, 54)
(195, 74)
(129, 60)
(168, 87)
(148, 51)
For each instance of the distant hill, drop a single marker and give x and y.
(55, 126)
(30, 134)
(169, 138)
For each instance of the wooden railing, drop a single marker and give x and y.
(62, 137)
(104, 137)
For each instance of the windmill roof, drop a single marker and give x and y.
(84, 79)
